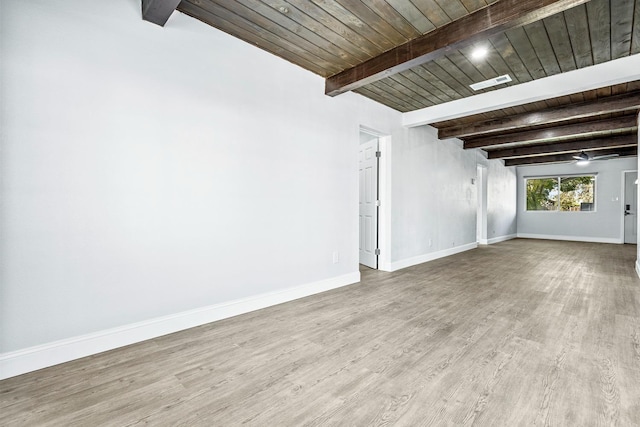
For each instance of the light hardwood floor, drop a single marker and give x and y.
(519, 333)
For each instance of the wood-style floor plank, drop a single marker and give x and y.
(518, 333)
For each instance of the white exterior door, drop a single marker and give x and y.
(630, 208)
(368, 203)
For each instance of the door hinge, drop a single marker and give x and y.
(378, 203)
(377, 251)
(378, 154)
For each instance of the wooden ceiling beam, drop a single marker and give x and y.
(158, 11)
(568, 157)
(479, 25)
(611, 104)
(565, 147)
(566, 131)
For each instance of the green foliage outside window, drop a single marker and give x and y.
(572, 193)
(542, 194)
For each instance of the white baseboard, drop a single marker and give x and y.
(45, 355)
(570, 238)
(397, 265)
(497, 239)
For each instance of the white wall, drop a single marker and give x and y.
(149, 171)
(434, 199)
(156, 178)
(603, 225)
(637, 164)
(501, 201)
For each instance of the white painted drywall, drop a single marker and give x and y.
(147, 171)
(501, 200)
(603, 225)
(366, 137)
(434, 199)
(638, 198)
(481, 210)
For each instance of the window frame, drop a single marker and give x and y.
(558, 177)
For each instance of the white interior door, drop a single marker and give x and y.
(630, 208)
(368, 203)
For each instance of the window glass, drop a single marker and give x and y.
(567, 194)
(542, 194)
(577, 193)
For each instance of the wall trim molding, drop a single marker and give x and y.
(41, 356)
(385, 266)
(497, 239)
(571, 238)
(638, 268)
(397, 265)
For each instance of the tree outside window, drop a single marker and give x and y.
(568, 194)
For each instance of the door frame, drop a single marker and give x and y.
(622, 197)
(384, 195)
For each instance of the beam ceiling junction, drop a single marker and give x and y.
(570, 131)
(630, 140)
(601, 106)
(568, 157)
(480, 25)
(158, 11)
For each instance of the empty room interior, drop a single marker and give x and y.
(292, 212)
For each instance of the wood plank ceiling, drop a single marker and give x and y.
(597, 122)
(415, 54)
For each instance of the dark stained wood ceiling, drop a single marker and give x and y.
(588, 34)
(413, 54)
(330, 36)
(610, 93)
(601, 121)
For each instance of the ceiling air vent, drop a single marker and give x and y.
(491, 82)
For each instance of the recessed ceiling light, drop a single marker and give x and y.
(479, 52)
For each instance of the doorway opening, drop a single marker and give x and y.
(374, 199)
(368, 166)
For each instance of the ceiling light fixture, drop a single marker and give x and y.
(491, 82)
(479, 53)
(582, 159)
(582, 156)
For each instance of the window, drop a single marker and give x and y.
(563, 193)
